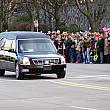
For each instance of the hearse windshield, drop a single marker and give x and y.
(36, 46)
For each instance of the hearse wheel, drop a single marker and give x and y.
(61, 74)
(19, 74)
(2, 72)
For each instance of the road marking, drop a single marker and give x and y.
(87, 86)
(82, 108)
(90, 77)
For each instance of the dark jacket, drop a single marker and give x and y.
(72, 53)
(101, 45)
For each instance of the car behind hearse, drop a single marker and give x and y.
(27, 53)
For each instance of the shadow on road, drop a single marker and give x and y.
(29, 77)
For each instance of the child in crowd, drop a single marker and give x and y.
(72, 54)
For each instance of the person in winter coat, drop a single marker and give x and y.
(109, 49)
(68, 43)
(72, 54)
(87, 43)
(101, 48)
(106, 49)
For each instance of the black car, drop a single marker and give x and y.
(29, 53)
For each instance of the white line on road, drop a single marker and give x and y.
(90, 76)
(82, 108)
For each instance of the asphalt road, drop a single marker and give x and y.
(86, 87)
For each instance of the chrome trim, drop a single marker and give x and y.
(43, 61)
(7, 61)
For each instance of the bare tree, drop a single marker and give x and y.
(6, 9)
(32, 9)
(51, 8)
(94, 10)
(55, 6)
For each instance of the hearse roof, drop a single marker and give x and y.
(23, 35)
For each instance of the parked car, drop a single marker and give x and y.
(30, 53)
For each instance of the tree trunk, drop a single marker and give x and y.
(32, 23)
(94, 25)
(94, 21)
(56, 23)
(1, 26)
(57, 19)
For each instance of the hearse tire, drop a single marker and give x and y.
(2, 72)
(61, 74)
(19, 74)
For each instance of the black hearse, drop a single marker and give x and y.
(29, 53)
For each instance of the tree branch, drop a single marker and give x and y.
(78, 6)
(102, 13)
(50, 3)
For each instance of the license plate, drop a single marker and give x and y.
(47, 67)
(40, 66)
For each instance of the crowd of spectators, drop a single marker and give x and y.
(83, 47)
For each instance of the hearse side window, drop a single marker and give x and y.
(8, 44)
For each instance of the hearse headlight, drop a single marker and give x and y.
(26, 61)
(62, 60)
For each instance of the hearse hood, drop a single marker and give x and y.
(43, 56)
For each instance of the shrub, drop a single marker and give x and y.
(21, 23)
(69, 28)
